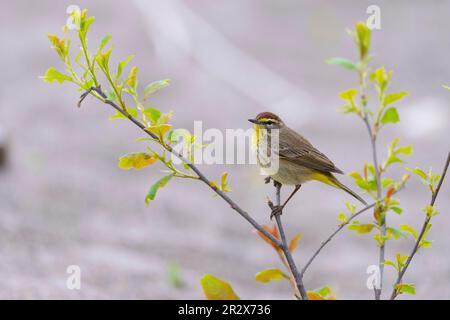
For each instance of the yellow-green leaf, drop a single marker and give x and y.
(155, 86)
(217, 289)
(103, 60)
(363, 39)
(165, 117)
(393, 97)
(136, 161)
(121, 65)
(152, 114)
(345, 63)
(342, 218)
(361, 228)
(224, 183)
(409, 229)
(104, 42)
(151, 194)
(132, 79)
(349, 94)
(270, 275)
(406, 288)
(132, 111)
(51, 75)
(159, 130)
(390, 116)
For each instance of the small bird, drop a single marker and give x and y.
(299, 161)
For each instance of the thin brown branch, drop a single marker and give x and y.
(290, 261)
(200, 175)
(381, 258)
(339, 228)
(422, 232)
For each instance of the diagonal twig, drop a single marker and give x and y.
(422, 232)
(200, 175)
(340, 227)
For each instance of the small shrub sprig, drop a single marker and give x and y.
(372, 179)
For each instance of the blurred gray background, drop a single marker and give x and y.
(63, 201)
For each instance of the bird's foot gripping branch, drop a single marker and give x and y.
(94, 75)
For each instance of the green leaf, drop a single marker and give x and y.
(270, 275)
(178, 134)
(397, 210)
(406, 288)
(406, 150)
(122, 64)
(424, 243)
(379, 239)
(60, 46)
(446, 87)
(165, 117)
(345, 63)
(418, 172)
(386, 182)
(85, 24)
(174, 275)
(408, 229)
(355, 175)
(390, 116)
(349, 94)
(132, 111)
(152, 114)
(104, 42)
(160, 129)
(393, 97)
(157, 185)
(361, 228)
(348, 108)
(103, 60)
(217, 289)
(136, 161)
(395, 233)
(350, 207)
(342, 218)
(324, 291)
(51, 75)
(155, 86)
(390, 263)
(363, 39)
(132, 79)
(381, 77)
(401, 260)
(430, 211)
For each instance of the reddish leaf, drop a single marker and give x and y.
(389, 194)
(273, 231)
(294, 241)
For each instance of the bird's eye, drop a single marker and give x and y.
(269, 122)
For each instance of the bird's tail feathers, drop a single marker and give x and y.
(333, 181)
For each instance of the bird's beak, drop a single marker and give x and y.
(253, 121)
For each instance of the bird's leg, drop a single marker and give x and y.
(297, 187)
(278, 210)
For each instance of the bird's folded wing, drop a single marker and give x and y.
(300, 151)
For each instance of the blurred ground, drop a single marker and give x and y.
(63, 200)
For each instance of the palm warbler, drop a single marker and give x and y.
(298, 160)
